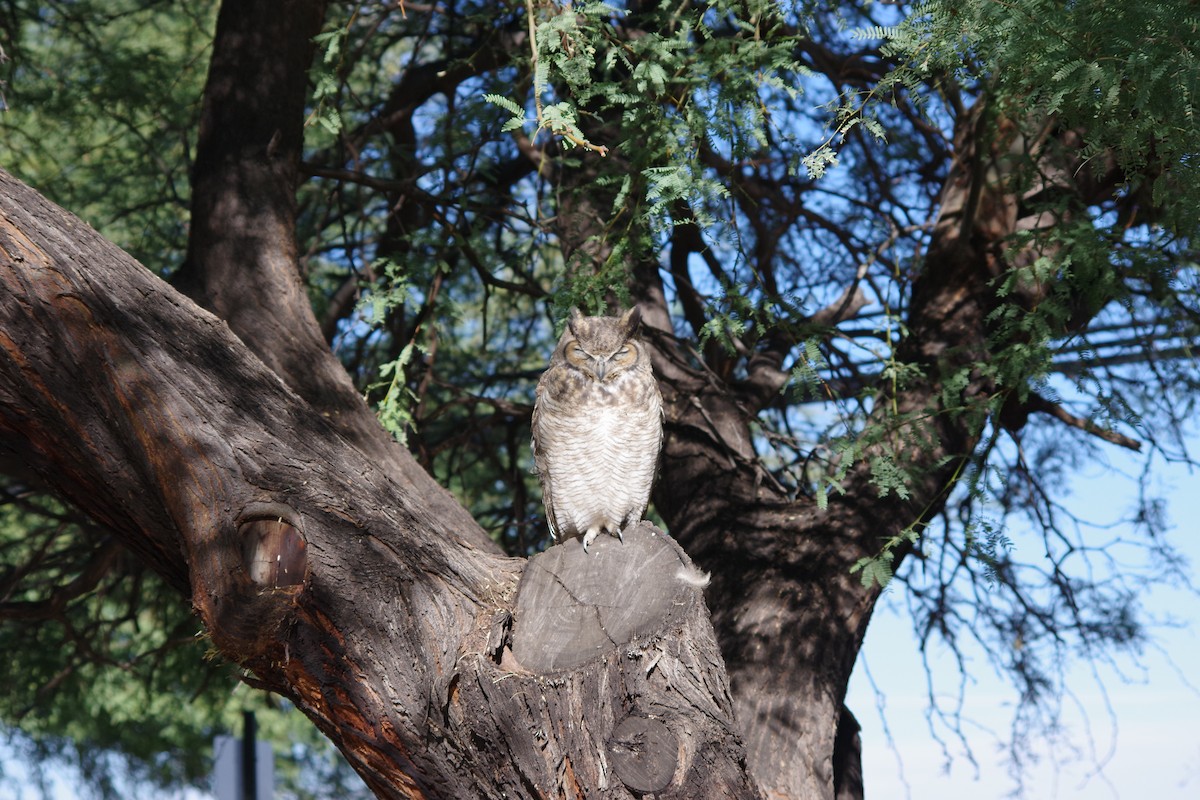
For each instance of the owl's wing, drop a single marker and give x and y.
(662, 428)
(542, 468)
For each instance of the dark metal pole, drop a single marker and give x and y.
(249, 767)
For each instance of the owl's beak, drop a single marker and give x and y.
(601, 367)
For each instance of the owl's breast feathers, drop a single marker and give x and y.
(596, 451)
(577, 399)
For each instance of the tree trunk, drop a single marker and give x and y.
(242, 256)
(789, 614)
(330, 581)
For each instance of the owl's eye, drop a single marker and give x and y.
(576, 354)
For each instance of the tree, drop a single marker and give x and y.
(889, 278)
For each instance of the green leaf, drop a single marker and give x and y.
(509, 105)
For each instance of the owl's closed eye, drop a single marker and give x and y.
(602, 365)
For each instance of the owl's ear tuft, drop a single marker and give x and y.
(631, 320)
(573, 319)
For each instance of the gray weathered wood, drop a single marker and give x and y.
(644, 753)
(574, 605)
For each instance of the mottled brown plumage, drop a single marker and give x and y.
(597, 428)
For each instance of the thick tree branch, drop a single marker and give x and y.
(389, 628)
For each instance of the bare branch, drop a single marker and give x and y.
(1040, 404)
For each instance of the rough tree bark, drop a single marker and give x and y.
(242, 254)
(391, 629)
(788, 613)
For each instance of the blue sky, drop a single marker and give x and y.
(1129, 731)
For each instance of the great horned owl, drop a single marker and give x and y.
(597, 427)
